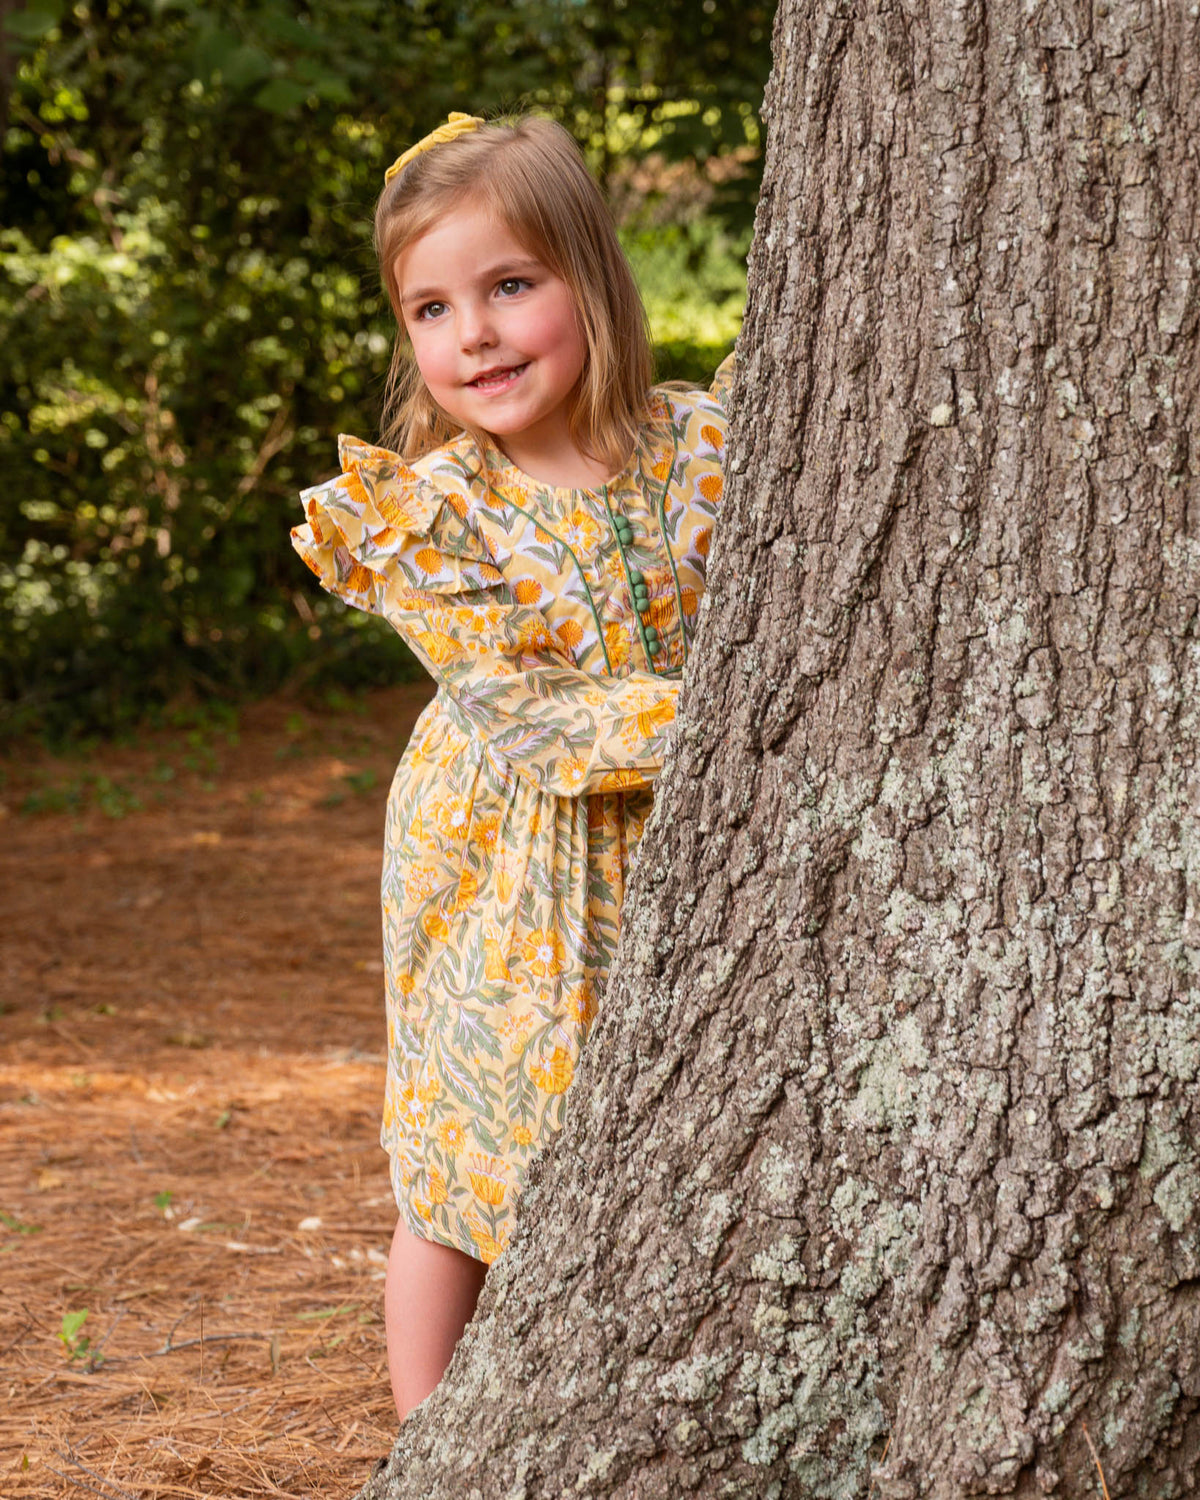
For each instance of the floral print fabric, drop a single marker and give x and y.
(556, 624)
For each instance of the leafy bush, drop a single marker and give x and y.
(189, 309)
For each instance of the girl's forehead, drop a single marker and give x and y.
(463, 237)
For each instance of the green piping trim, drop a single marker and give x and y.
(637, 614)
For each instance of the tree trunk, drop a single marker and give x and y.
(888, 1131)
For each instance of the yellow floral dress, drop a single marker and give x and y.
(556, 623)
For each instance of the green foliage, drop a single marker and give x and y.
(189, 308)
(77, 1343)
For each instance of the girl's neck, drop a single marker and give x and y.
(557, 463)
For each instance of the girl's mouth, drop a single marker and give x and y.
(497, 380)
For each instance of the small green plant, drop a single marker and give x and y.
(77, 1343)
(18, 1226)
(58, 797)
(162, 1201)
(361, 782)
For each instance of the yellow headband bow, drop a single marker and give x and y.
(456, 124)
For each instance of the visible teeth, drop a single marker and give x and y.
(498, 377)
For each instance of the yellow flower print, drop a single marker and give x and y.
(436, 926)
(437, 647)
(429, 560)
(507, 864)
(553, 1074)
(515, 1029)
(358, 580)
(711, 487)
(409, 1109)
(522, 1135)
(430, 1090)
(535, 825)
(544, 953)
(437, 1187)
(451, 1136)
(422, 1206)
(661, 613)
(489, 1247)
(662, 468)
(454, 817)
(392, 512)
(690, 601)
(619, 781)
(421, 883)
(713, 436)
(359, 495)
(494, 966)
(534, 635)
(527, 590)
(468, 891)
(616, 642)
(569, 632)
(702, 539)
(573, 771)
(581, 533)
(405, 983)
(458, 502)
(485, 832)
(490, 574)
(488, 1176)
(583, 1004)
(384, 536)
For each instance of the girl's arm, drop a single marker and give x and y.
(386, 541)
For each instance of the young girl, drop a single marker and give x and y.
(541, 546)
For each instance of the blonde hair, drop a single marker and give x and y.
(530, 174)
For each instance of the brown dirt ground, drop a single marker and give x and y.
(190, 1082)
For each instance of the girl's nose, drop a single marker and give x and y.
(475, 328)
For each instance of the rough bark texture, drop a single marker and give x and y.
(889, 1128)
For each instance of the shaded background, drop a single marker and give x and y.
(190, 310)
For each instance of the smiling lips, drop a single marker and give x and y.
(496, 379)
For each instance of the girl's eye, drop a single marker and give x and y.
(511, 285)
(431, 310)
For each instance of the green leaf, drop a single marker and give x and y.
(72, 1322)
(281, 96)
(28, 25)
(212, 47)
(244, 66)
(288, 29)
(18, 1226)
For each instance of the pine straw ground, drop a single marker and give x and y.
(190, 1081)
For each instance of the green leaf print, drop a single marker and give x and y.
(472, 1035)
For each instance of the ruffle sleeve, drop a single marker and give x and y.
(380, 525)
(722, 381)
(398, 543)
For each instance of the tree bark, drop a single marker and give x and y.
(888, 1131)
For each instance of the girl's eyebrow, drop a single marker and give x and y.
(490, 273)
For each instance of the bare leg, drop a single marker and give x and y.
(429, 1296)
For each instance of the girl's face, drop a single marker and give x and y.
(495, 335)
